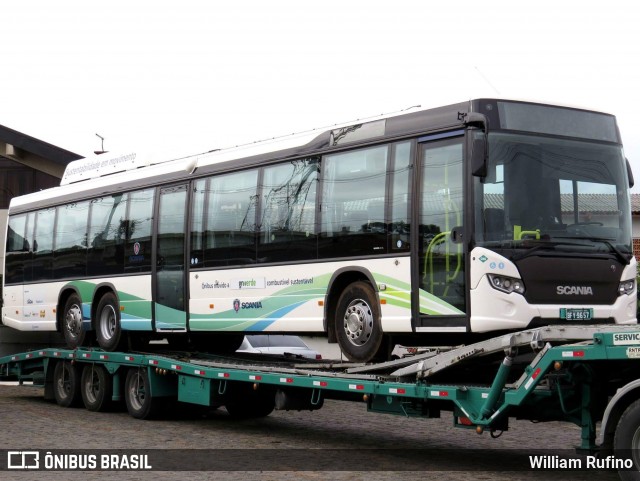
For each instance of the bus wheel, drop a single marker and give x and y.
(74, 334)
(108, 330)
(137, 395)
(626, 441)
(358, 323)
(66, 384)
(96, 388)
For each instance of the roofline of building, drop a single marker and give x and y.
(36, 146)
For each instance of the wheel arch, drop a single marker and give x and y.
(99, 291)
(339, 281)
(622, 399)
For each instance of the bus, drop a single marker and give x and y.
(482, 216)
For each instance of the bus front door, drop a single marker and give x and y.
(441, 268)
(169, 287)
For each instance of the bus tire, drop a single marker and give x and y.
(626, 441)
(137, 395)
(66, 384)
(96, 387)
(358, 328)
(74, 333)
(108, 329)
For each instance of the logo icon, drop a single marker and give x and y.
(23, 460)
(236, 305)
(136, 248)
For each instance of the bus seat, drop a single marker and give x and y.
(494, 225)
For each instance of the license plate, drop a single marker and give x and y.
(576, 314)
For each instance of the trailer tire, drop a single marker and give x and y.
(74, 334)
(108, 329)
(626, 441)
(137, 395)
(66, 384)
(96, 388)
(358, 328)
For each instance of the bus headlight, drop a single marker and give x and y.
(627, 287)
(506, 284)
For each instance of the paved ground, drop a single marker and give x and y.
(343, 430)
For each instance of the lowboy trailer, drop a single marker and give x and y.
(579, 374)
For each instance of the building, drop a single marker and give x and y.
(26, 165)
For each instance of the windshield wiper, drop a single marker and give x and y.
(619, 254)
(551, 245)
(624, 259)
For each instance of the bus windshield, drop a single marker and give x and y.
(562, 194)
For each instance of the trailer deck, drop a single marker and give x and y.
(578, 374)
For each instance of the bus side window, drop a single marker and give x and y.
(43, 244)
(198, 218)
(137, 230)
(230, 224)
(399, 198)
(70, 256)
(106, 236)
(353, 196)
(287, 229)
(17, 249)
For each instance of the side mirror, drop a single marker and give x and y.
(630, 174)
(476, 119)
(478, 155)
(477, 150)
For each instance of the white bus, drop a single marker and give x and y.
(487, 215)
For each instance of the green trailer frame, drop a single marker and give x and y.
(578, 374)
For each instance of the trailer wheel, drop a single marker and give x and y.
(244, 402)
(96, 388)
(358, 323)
(66, 384)
(137, 395)
(108, 330)
(626, 441)
(74, 334)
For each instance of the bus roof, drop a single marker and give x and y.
(100, 175)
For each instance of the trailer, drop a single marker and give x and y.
(583, 375)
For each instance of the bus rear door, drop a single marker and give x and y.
(169, 281)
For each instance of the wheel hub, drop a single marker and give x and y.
(358, 322)
(108, 322)
(73, 321)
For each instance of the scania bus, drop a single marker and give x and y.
(487, 215)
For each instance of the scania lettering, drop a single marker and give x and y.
(571, 290)
(480, 216)
(251, 305)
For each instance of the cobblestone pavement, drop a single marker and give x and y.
(27, 421)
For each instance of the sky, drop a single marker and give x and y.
(191, 76)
